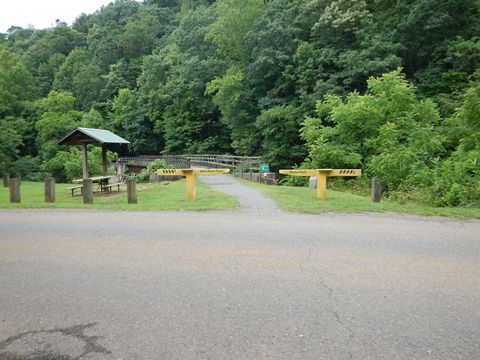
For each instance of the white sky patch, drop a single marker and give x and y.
(43, 13)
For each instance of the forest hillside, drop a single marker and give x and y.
(389, 86)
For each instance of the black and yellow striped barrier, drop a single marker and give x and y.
(322, 175)
(191, 174)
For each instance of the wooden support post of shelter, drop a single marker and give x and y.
(84, 161)
(104, 160)
(87, 191)
(87, 136)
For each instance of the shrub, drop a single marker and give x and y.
(67, 165)
(29, 168)
(144, 175)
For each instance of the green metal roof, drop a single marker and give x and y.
(91, 136)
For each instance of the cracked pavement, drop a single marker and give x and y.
(237, 285)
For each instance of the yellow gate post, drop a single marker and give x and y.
(191, 175)
(322, 175)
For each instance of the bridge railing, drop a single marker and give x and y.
(235, 163)
(232, 162)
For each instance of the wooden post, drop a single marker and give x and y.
(84, 161)
(119, 170)
(376, 190)
(104, 160)
(14, 185)
(6, 180)
(131, 191)
(87, 191)
(191, 188)
(321, 185)
(50, 190)
(19, 177)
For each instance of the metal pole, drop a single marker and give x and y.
(321, 185)
(191, 188)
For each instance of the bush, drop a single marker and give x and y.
(299, 181)
(358, 185)
(67, 165)
(456, 181)
(29, 168)
(144, 175)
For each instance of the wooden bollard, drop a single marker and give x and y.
(14, 186)
(132, 191)
(50, 190)
(87, 191)
(6, 180)
(376, 190)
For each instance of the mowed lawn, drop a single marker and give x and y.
(158, 196)
(303, 199)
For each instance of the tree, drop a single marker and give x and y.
(128, 119)
(273, 41)
(67, 164)
(81, 77)
(93, 119)
(235, 19)
(456, 181)
(46, 51)
(141, 34)
(185, 118)
(10, 143)
(281, 143)
(57, 119)
(387, 131)
(235, 102)
(16, 84)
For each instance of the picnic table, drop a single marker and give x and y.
(101, 181)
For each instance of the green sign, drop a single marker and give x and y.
(264, 168)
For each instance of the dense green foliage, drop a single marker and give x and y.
(393, 135)
(145, 174)
(389, 86)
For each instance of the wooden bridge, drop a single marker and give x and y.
(234, 163)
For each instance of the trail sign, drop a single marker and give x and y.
(191, 175)
(322, 175)
(264, 168)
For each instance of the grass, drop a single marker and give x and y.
(303, 199)
(158, 196)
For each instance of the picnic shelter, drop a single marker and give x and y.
(99, 137)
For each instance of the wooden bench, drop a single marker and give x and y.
(73, 188)
(111, 186)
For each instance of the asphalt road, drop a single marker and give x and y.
(237, 285)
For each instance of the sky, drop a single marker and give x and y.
(43, 13)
